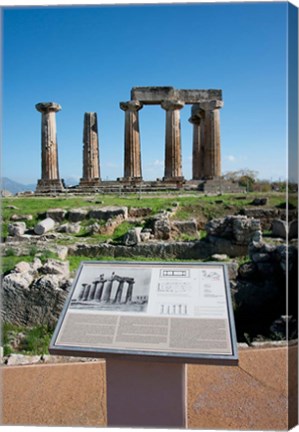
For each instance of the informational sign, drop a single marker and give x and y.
(160, 310)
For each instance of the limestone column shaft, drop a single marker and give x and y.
(129, 291)
(198, 141)
(211, 133)
(91, 165)
(108, 288)
(50, 169)
(173, 156)
(119, 291)
(132, 159)
(86, 292)
(99, 291)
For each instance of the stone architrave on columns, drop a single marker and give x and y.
(91, 165)
(173, 156)
(50, 180)
(198, 143)
(132, 159)
(211, 134)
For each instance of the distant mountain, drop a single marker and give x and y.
(15, 187)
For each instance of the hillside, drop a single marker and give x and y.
(15, 187)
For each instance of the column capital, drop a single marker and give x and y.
(45, 107)
(171, 104)
(133, 105)
(211, 105)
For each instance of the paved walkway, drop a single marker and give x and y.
(252, 395)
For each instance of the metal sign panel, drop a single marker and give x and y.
(170, 311)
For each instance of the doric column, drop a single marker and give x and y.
(129, 290)
(86, 292)
(91, 165)
(211, 133)
(82, 293)
(173, 157)
(50, 181)
(119, 291)
(198, 143)
(93, 290)
(108, 288)
(99, 291)
(132, 162)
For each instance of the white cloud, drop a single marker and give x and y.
(231, 158)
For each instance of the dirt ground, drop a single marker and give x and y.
(259, 393)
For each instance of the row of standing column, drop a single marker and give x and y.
(206, 152)
(97, 291)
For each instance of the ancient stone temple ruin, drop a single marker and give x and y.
(100, 290)
(50, 181)
(206, 135)
(206, 149)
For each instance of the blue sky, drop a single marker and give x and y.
(89, 58)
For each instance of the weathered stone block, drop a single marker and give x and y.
(77, 215)
(55, 267)
(162, 228)
(238, 229)
(110, 212)
(259, 201)
(56, 214)
(137, 212)
(279, 228)
(186, 227)
(17, 228)
(69, 228)
(17, 218)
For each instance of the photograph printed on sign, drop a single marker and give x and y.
(112, 289)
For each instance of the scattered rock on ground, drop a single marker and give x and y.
(279, 228)
(57, 214)
(94, 229)
(238, 229)
(69, 228)
(219, 257)
(77, 215)
(55, 267)
(259, 201)
(20, 359)
(17, 229)
(162, 228)
(17, 218)
(185, 227)
(132, 237)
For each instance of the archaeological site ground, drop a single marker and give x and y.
(249, 225)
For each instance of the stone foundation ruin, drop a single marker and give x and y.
(206, 149)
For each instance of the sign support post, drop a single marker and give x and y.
(145, 394)
(148, 320)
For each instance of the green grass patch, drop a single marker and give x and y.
(26, 340)
(9, 262)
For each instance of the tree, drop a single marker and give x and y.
(244, 177)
